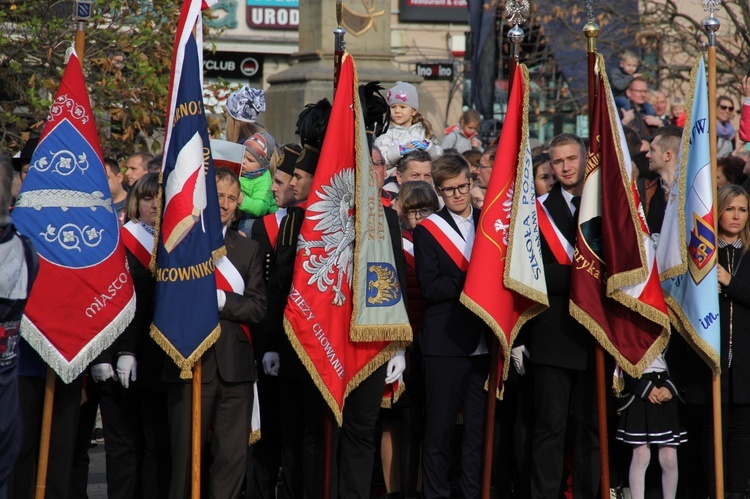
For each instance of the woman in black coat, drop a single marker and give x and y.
(734, 303)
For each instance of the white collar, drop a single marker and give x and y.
(459, 219)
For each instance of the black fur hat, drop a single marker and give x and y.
(311, 128)
(377, 112)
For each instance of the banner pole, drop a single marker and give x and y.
(591, 30)
(489, 422)
(81, 13)
(515, 37)
(49, 400)
(339, 47)
(712, 25)
(195, 489)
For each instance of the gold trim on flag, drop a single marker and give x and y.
(185, 364)
(681, 176)
(377, 361)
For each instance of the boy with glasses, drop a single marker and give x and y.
(452, 339)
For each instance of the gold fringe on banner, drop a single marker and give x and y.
(185, 364)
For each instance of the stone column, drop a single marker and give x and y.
(310, 78)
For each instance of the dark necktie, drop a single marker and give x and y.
(577, 203)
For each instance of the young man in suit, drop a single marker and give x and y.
(453, 339)
(560, 349)
(228, 366)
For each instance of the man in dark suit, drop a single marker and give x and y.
(228, 367)
(453, 339)
(560, 349)
(264, 459)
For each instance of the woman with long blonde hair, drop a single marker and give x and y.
(734, 312)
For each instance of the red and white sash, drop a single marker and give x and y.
(408, 249)
(228, 278)
(450, 240)
(557, 242)
(272, 223)
(138, 241)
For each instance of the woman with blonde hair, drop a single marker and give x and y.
(734, 312)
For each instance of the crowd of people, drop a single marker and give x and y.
(429, 443)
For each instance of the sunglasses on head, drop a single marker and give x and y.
(726, 108)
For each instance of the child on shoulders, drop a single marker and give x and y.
(408, 130)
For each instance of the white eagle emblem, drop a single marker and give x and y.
(503, 224)
(335, 216)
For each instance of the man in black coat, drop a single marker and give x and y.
(560, 349)
(228, 367)
(264, 459)
(453, 339)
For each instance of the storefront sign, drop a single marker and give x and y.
(233, 66)
(439, 11)
(436, 71)
(272, 14)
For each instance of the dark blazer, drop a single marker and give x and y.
(449, 328)
(259, 234)
(553, 337)
(231, 357)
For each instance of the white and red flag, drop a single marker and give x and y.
(83, 297)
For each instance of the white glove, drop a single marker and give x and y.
(396, 367)
(517, 356)
(126, 369)
(221, 297)
(271, 363)
(102, 372)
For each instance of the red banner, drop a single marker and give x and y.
(507, 296)
(319, 310)
(615, 290)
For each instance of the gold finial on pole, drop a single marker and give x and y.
(518, 11)
(591, 30)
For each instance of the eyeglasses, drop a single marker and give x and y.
(639, 91)
(449, 191)
(420, 213)
(480, 166)
(726, 108)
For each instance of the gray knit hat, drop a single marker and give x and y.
(403, 93)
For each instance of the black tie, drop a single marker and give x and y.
(577, 203)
